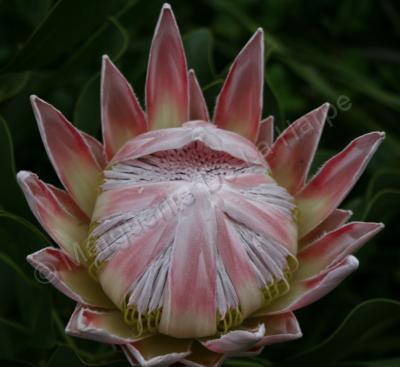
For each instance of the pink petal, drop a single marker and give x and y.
(292, 153)
(334, 180)
(175, 138)
(97, 149)
(269, 221)
(70, 154)
(279, 328)
(105, 326)
(238, 266)
(239, 103)
(305, 292)
(158, 350)
(265, 135)
(202, 357)
(236, 341)
(189, 308)
(334, 247)
(122, 116)
(57, 213)
(133, 199)
(167, 89)
(132, 259)
(68, 277)
(333, 221)
(198, 106)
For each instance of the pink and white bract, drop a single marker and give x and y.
(185, 239)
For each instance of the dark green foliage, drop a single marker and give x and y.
(345, 52)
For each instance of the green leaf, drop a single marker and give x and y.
(395, 362)
(11, 84)
(11, 197)
(199, 53)
(87, 108)
(64, 357)
(51, 41)
(383, 179)
(383, 205)
(9, 363)
(19, 238)
(33, 11)
(111, 39)
(365, 325)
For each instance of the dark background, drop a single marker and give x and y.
(316, 51)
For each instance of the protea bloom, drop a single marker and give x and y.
(181, 240)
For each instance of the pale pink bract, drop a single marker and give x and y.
(189, 239)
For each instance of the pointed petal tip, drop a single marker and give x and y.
(323, 109)
(35, 100)
(166, 10)
(23, 175)
(326, 105)
(167, 89)
(106, 64)
(258, 36)
(29, 258)
(351, 263)
(239, 104)
(379, 135)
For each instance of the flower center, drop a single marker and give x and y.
(169, 208)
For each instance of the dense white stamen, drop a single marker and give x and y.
(192, 165)
(226, 294)
(148, 291)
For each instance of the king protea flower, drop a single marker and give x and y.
(185, 239)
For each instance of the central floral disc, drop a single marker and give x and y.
(191, 235)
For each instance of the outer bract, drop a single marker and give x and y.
(189, 239)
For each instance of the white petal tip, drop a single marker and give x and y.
(34, 98)
(166, 6)
(260, 30)
(326, 106)
(30, 259)
(353, 262)
(23, 176)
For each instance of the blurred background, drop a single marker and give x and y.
(345, 52)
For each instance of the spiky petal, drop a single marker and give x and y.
(198, 106)
(56, 212)
(167, 89)
(265, 136)
(68, 277)
(333, 181)
(239, 103)
(291, 155)
(121, 115)
(72, 157)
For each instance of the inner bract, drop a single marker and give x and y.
(192, 240)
